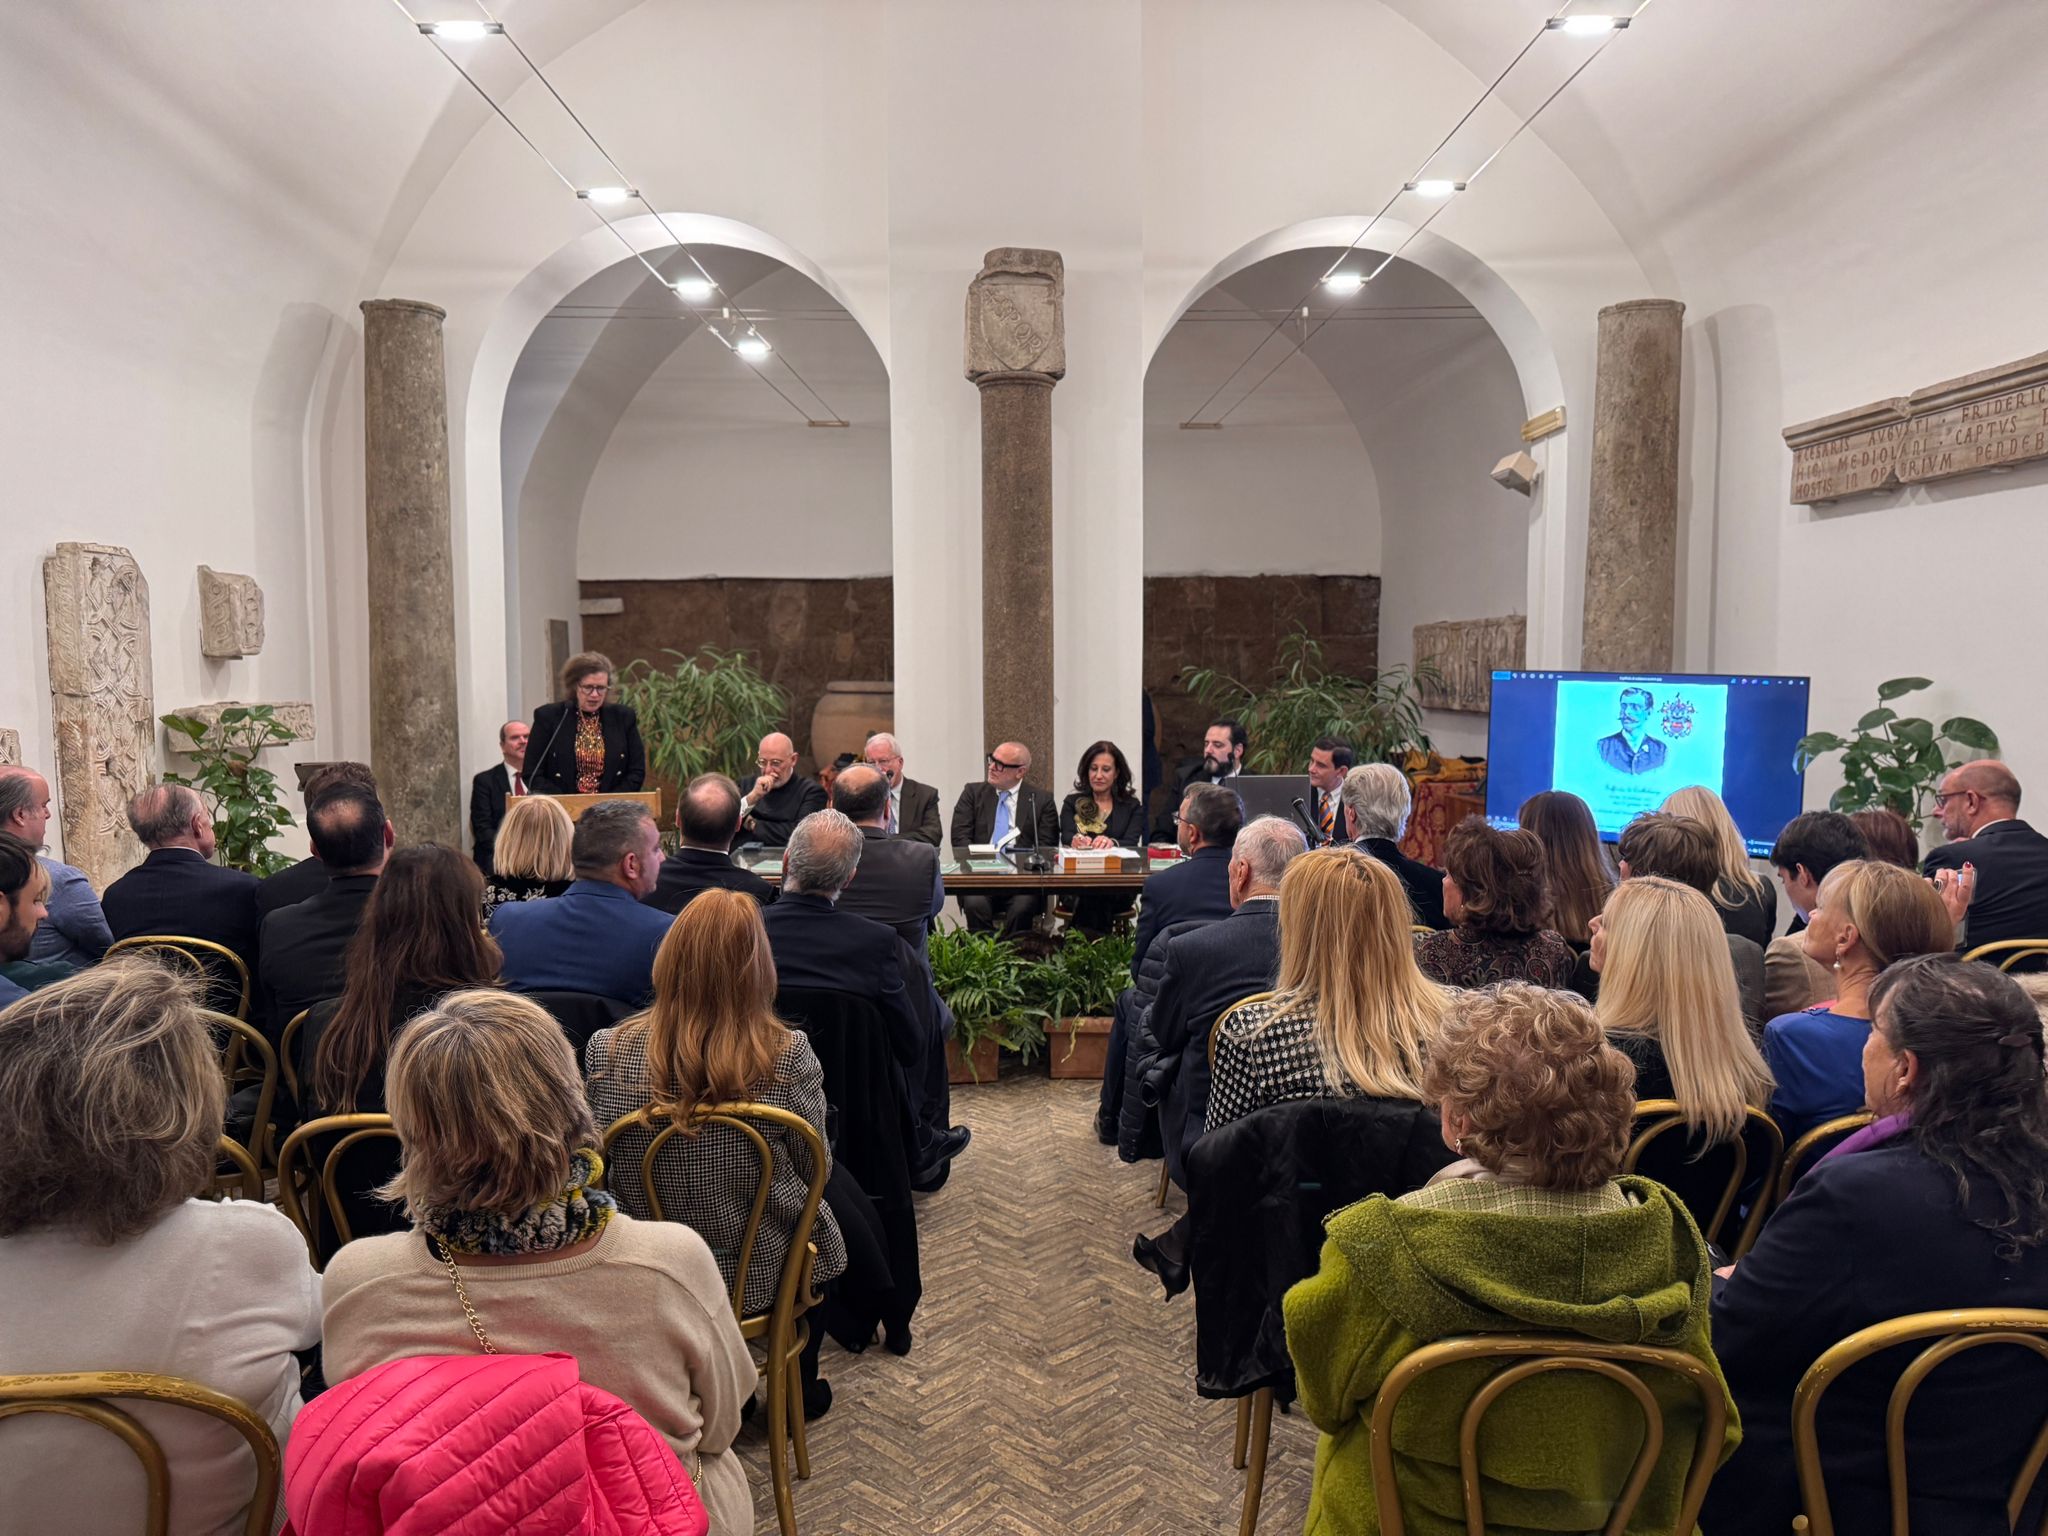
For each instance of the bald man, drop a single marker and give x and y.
(1002, 809)
(1979, 806)
(780, 798)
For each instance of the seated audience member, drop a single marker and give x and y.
(500, 1152)
(1198, 886)
(111, 1104)
(1208, 968)
(1350, 1012)
(1376, 805)
(1102, 812)
(828, 773)
(300, 949)
(913, 810)
(1000, 811)
(533, 857)
(582, 745)
(1866, 916)
(1810, 846)
(780, 798)
(1493, 896)
(709, 820)
(74, 931)
(1891, 837)
(1668, 1003)
(178, 888)
(24, 884)
(308, 877)
(712, 1037)
(899, 882)
(1224, 744)
(492, 790)
(596, 936)
(1328, 761)
(1535, 1231)
(1576, 878)
(1679, 848)
(1941, 1203)
(1979, 806)
(1747, 905)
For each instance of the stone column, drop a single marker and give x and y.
(414, 743)
(1016, 352)
(1632, 523)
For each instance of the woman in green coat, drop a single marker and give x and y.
(1531, 1233)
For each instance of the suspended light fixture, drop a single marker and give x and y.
(753, 348)
(692, 290)
(607, 196)
(462, 31)
(1344, 284)
(1433, 188)
(1585, 26)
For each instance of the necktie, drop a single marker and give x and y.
(1329, 817)
(892, 811)
(518, 783)
(1003, 826)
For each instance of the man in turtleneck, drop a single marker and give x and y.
(780, 798)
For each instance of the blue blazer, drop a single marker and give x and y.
(594, 937)
(1198, 888)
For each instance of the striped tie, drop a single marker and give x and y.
(1329, 817)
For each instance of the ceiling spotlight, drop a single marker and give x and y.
(1585, 26)
(1344, 283)
(752, 348)
(1433, 188)
(462, 31)
(608, 195)
(692, 290)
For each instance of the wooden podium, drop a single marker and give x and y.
(576, 805)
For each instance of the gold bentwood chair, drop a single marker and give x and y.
(1166, 1179)
(1813, 1146)
(1952, 1332)
(89, 1395)
(2007, 953)
(295, 1184)
(784, 1330)
(1538, 1354)
(287, 1054)
(244, 1172)
(219, 967)
(247, 1060)
(1661, 1135)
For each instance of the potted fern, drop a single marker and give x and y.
(982, 981)
(1076, 988)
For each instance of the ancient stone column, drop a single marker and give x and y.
(1632, 524)
(414, 747)
(1016, 352)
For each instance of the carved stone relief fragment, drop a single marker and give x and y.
(230, 614)
(1468, 652)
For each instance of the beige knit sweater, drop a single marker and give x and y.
(644, 1313)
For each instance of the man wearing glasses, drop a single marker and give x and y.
(1993, 870)
(1003, 810)
(781, 797)
(913, 807)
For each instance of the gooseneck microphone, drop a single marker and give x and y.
(567, 709)
(1308, 824)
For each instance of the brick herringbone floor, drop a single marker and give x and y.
(1051, 1390)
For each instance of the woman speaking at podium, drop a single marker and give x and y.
(584, 746)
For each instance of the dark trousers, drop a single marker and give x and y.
(929, 1092)
(980, 912)
(1109, 1110)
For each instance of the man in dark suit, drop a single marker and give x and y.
(913, 809)
(709, 819)
(1224, 742)
(818, 945)
(1376, 805)
(1632, 749)
(1198, 886)
(596, 936)
(490, 790)
(301, 948)
(1004, 810)
(1207, 970)
(1328, 761)
(780, 798)
(178, 888)
(899, 881)
(308, 877)
(1979, 806)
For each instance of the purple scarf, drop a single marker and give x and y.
(1875, 1134)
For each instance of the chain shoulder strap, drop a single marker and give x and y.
(462, 1294)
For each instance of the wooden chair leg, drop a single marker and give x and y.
(795, 1393)
(1165, 1183)
(778, 1442)
(1244, 1430)
(1255, 1478)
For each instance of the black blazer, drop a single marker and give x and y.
(176, 890)
(974, 816)
(917, 813)
(1755, 917)
(689, 871)
(1425, 885)
(302, 948)
(898, 883)
(819, 948)
(551, 751)
(1126, 821)
(288, 887)
(1207, 969)
(2012, 882)
(489, 792)
(1196, 887)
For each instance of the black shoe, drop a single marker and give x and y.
(1105, 1129)
(1172, 1273)
(932, 1180)
(817, 1400)
(896, 1338)
(950, 1144)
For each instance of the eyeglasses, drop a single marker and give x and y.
(1943, 798)
(997, 762)
(771, 762)
(593, 687)
(882, 762)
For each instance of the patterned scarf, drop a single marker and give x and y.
(574, 1215)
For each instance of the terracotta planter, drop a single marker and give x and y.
(976, 1066)
(1077, 1047)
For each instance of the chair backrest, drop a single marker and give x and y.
(225, 973)
(2026, 954)
(745, 1118)
(295, 1185)
(90, 1395)
(581, 1014)
(1661, 1149)
(247, 1060)
(1537, 1355)
(243, 1172)
(1815, 1145)
(1229, 1013)
(1953, 1332)
(287, 1054)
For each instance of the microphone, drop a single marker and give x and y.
(1033, 860)
(1308, 824)
(542, 759)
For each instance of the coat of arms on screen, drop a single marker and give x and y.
(1677, 713)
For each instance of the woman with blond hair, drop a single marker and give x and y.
(531, 857)
(110, 1114)
(1748, 905)
(1668, 1003)
(1350, 1014)
(515, 1252)
(1867, 915)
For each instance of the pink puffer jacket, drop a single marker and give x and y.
(479, 1445)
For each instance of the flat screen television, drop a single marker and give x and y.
(1622, 741)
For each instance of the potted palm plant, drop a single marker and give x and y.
(1076, 988)
(1380, 716)
(705, 713)
(982, 981)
